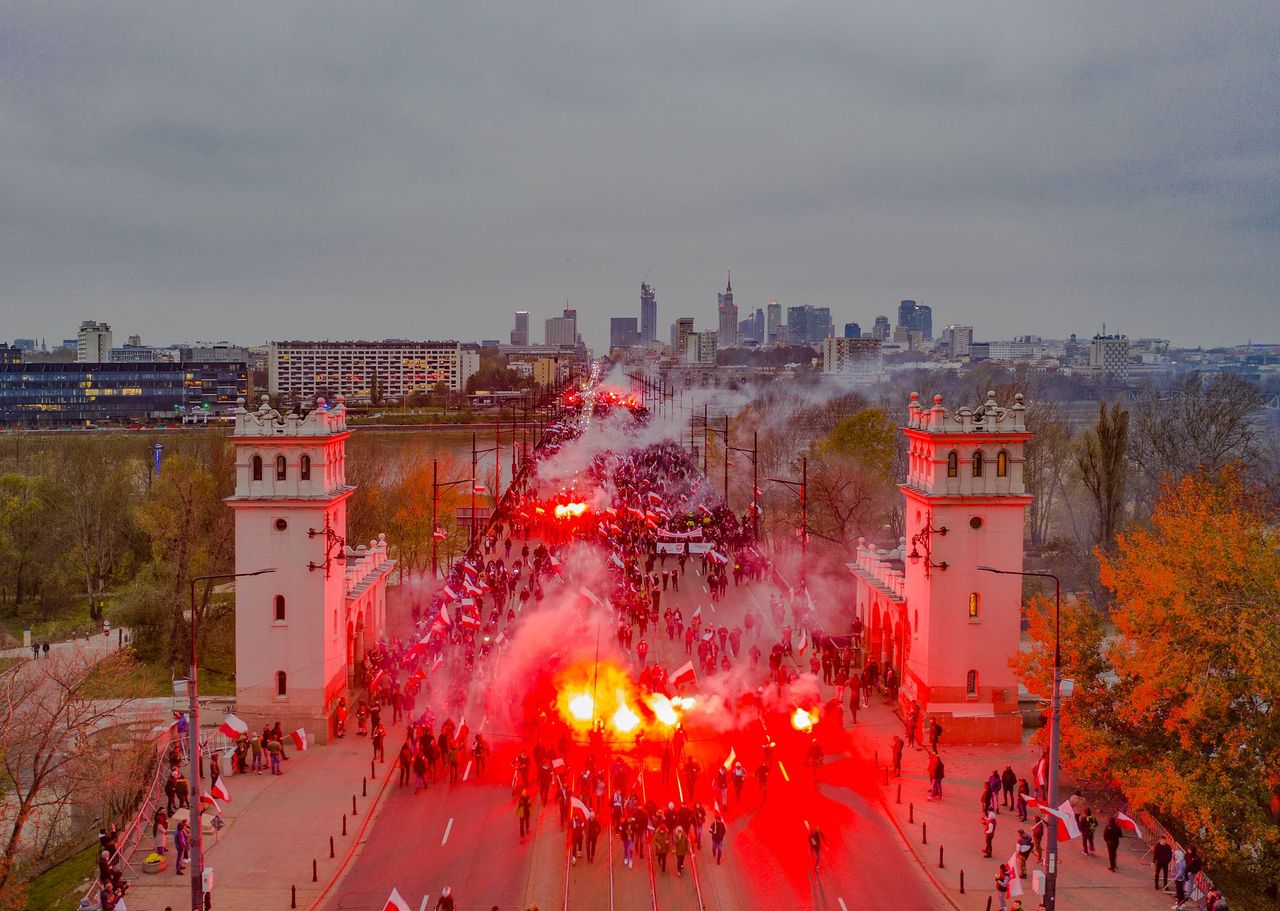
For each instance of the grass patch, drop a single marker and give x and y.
(142, 679)
(8, 664)
(59, 888)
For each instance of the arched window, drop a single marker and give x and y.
(977, 464)
(975, 605)
(971, 685)
(279, 609)
(953, 464)
(304, 468)
(257, 468)
(1002, 464)
(282, 688)
(281, 468)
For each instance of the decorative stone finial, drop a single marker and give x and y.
(937, 399)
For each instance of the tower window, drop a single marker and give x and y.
(281, 468)
(953, 464)
(1002, 464)
(278, 612)
(304, 468)
(257, 468)
(971, 685)
(975, 605)
(282, 684)
(977, 464)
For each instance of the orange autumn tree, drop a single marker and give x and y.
(1194, 723)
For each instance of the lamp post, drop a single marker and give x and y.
(801, 487)
(435, 506)
(193, 745)
(1055, 728)
(478, 488)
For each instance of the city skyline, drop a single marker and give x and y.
(406, 173)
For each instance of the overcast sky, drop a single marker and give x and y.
(356, 170)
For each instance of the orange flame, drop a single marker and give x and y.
(567, 510)
(803, 720)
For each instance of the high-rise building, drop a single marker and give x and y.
(520, 334)
(572, 315)
(916, 317)
(1109, 355)
(93, 344)
(560, 330)
(368, 372)
(797, 325)
(852, 330)
(728, 313)
(924, 321)
(623, 332)
(772, 322)
(820, 325)
(851, 356)
(680, 331)
(700, 348)
(648, 314)
(881, 329)
(961, 340)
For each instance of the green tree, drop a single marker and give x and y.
(851, 477)
(1103, 467)
(24, 534)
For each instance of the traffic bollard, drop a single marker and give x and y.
(353, 805)
(344, 823)
(331, 854)
(988, 903)
(911, 812)
(364, 786)
(315, 871)
(293, 896)
(373, 769)
(899, 792)
(940, 864)
(924, 833)
(962, 882)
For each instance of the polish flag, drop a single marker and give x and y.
(617, 561)
(703, 507)
(207, 800)
(1068, 828)
(717, 556)
(804, 641)
(655, 499)
(219, 790)
(697, 616)
(579, 805)
(1126, 822)
(417, 675)
(440, 534)
(728, 763)
(472, 589)
(470, 570)
(1015, 882)
(299, 738)
(395, 902)
(449, 593)
(377, 678)
(469, 621)
(233, 727)
(685, 674)
(444, 615)
(557, 763)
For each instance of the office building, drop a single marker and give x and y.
(820, 325)
(24, 344)
(219, 351)
(856, 357)
(624, 332)
(143, 354)
(760, 326)
(773, 320)
(701, 347)
(648, 314)
(560, 330)
(728, 316)
(97, 393)
(1109, 356)
(881, 329)
(520, 334)
(680, 331)
(93, 343)
(548, 371)
(852, 330)
(961, 340)
(367, 372)
(916, 317)
(10, 355)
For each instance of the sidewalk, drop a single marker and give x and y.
(275, 827)
(953, 825)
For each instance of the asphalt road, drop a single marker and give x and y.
(465, 835)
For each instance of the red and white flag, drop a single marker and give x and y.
(1015, 881)
(299, 739)
(557, 763)
(579, 805)
(804, 641)
(1068, 828)
(233, 727)
(440, 534)
(472, 589)
(395, 902)
(1126, 822)
(469, 621)
(207, 800)
(449, 593)
(219, 790)
(685, 674)
(444, 615)
(697, 616)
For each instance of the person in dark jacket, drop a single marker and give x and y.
(1162, 856)
(1111, 835)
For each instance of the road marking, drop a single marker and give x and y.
(783, 770)
(447, 829)
(843, 906)
(425, 898)
(466, 771)
(712, 605)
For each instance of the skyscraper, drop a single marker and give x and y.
(623, 332)
(881, 329)
(648, 314)
(852, 330)
(759, 325)
(773, 321)
(728, 313)
(916, 318)
(520, 334)
(93, 343)
(820, 325)
(797, 325)
(680, 331)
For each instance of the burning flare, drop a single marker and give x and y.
(803, 719)
(570, 510)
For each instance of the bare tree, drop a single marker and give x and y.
(53, 748)
(1102, 464)
(1048, 457)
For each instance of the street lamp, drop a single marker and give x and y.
(193, 745)
(1055, 727)
(922, 538)
(801, 487)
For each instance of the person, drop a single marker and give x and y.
(405, 761)
(1008, 784)
(935, 776)
(593, 836)
(379, 738)
(1179, 877)
(181, 845)
(988, 831)
(661, 845)
(762, 776)
(1025, 847)
(578, 833)
(1003, 878)
(816, 841)
(445, 902)
(1111, 835)
(680, 841)
(896, 750)
(718, 831)
(524, 811)
(160, 831)
(935, 734)
(627, 831)
(275, 749)
(1088, 825)
(739, 776)
(1162, 857)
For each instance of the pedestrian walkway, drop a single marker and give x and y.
(275, 827)
(950, 830)
(96, 644)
